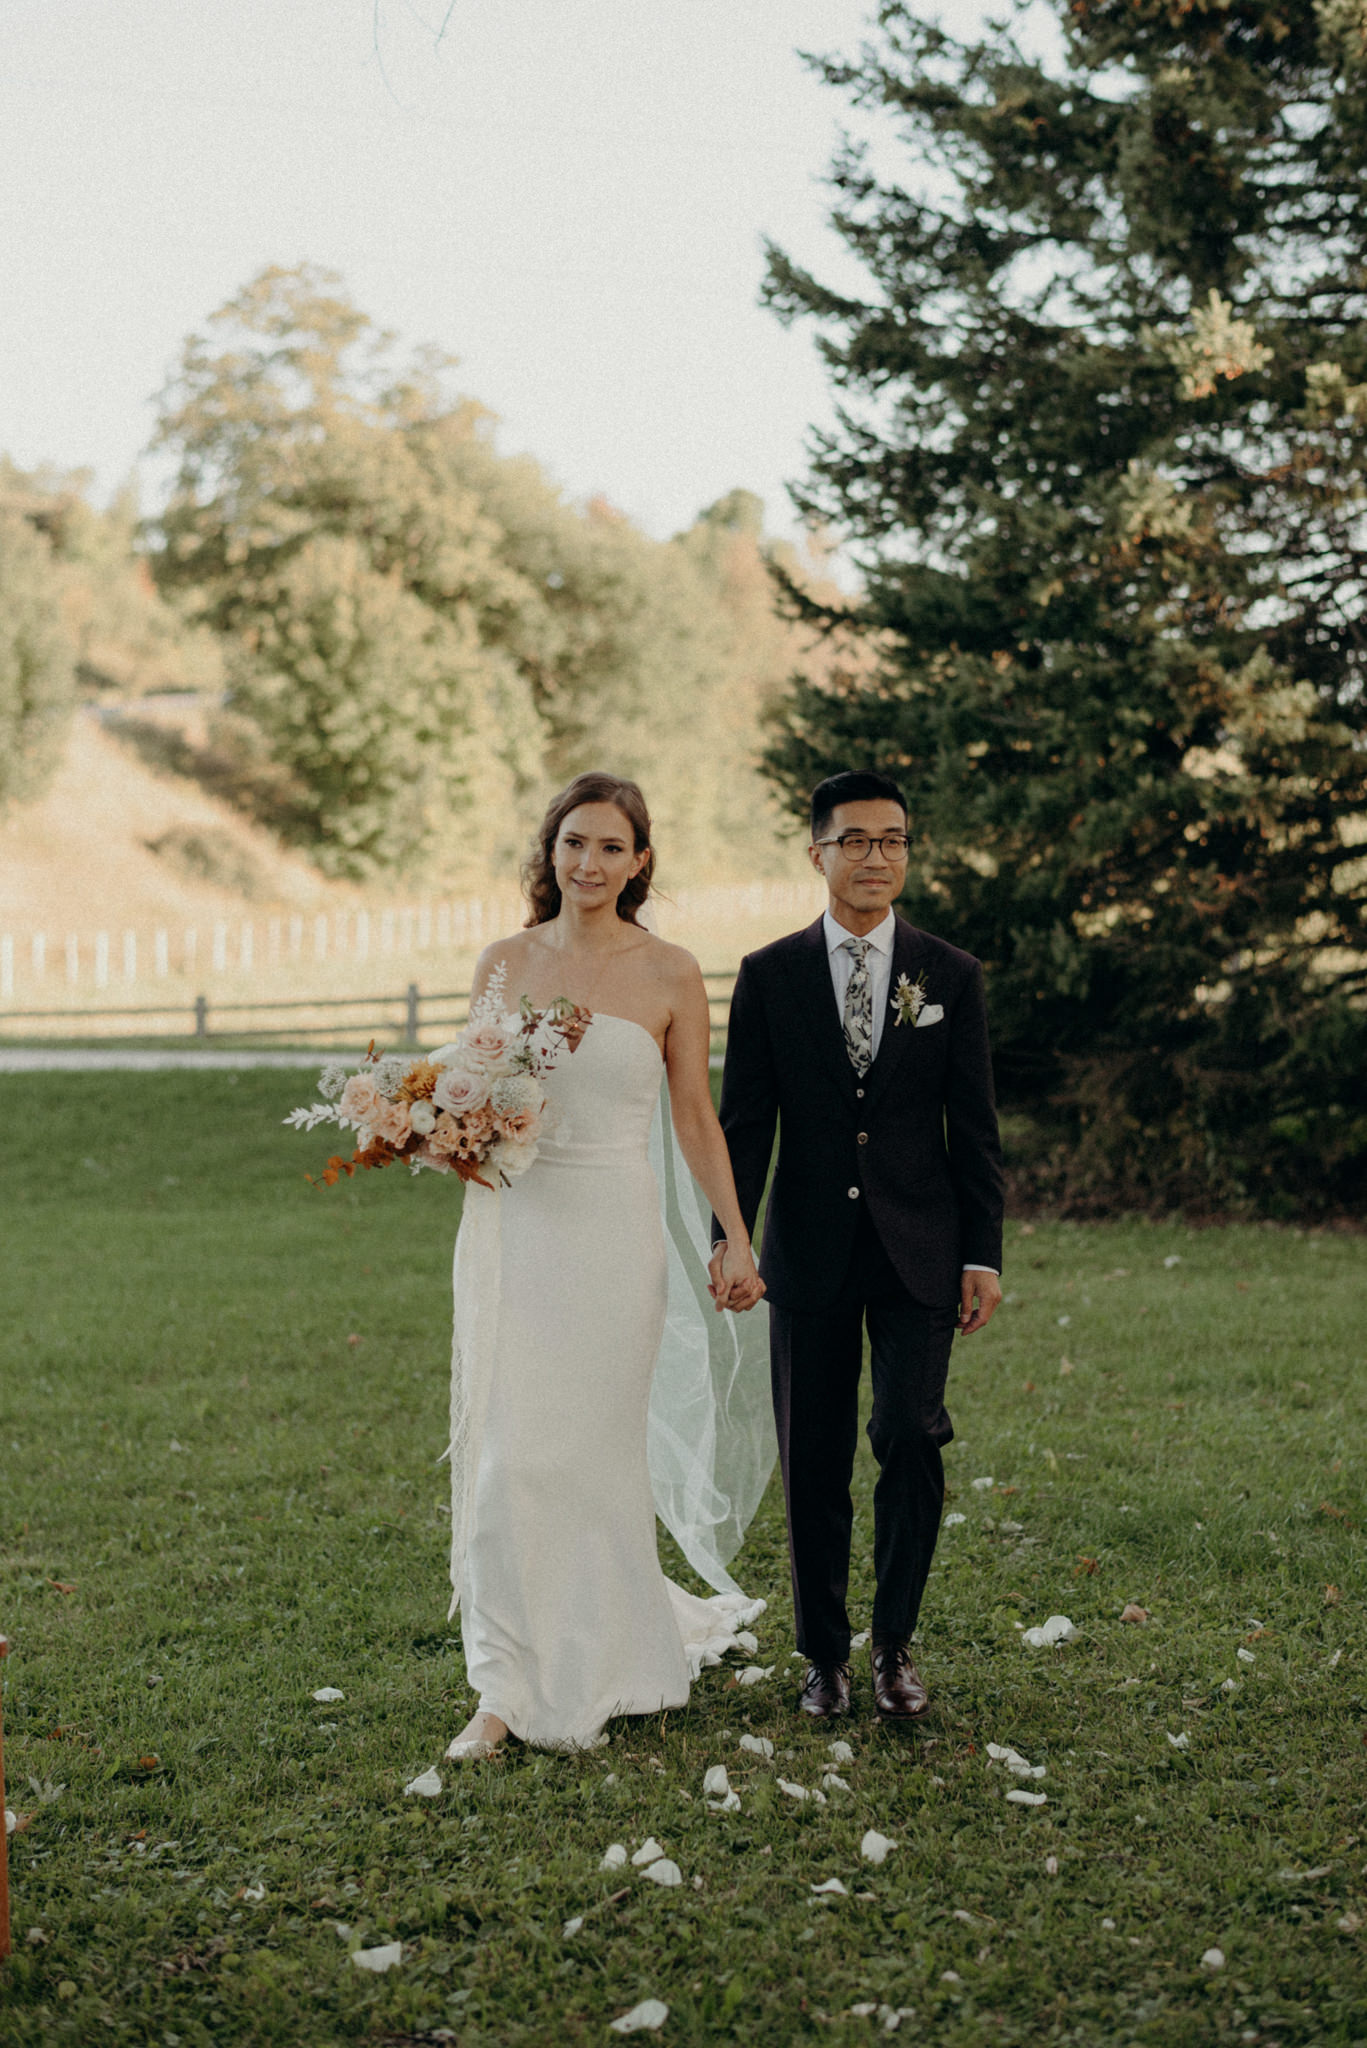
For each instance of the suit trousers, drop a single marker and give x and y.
(815, 1361)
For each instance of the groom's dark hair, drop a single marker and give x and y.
(851, 786)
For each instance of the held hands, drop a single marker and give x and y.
(732, 1279)
(979, 1296)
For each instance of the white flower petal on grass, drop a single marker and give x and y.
(1230, 1685)
(253, 1893)
(427, 1785)
(984, 1485)
(715, 1782)
(753, 1674)
(1174, 1259)
(864, 2010)
(572, 1927)
(378, 1959)
(1014, 1761)
(663, 1872)
(326, 1694)
(745, 1641)
(11, 1820)
(1245, 1656)
(649, 1852)
(841, 1751)
(757, 1745)
(1214, 1958)
(731, 1804)
(858, 1642)
(793, 1791)
(647, 2017)
(1020, 1798)
(833, 1887)
(831, 1781)
(1051, 1866)
(614, 1857)
(1182, 1741)
(953, 1521)
(875, 1847)
(1057, 1629)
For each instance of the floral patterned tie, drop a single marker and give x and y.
(859, 1008)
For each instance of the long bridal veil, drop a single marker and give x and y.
(710, 1439)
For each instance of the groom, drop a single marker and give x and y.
(865, 1040)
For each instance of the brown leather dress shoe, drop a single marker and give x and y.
(899, 1691)
(825, 1692)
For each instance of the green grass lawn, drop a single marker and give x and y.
(222, 1397)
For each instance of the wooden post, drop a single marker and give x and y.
(201, 1017)
(411, 1019)
(4, 1838)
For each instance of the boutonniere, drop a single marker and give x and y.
(910, 1003)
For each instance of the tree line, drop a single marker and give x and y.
(410, 637)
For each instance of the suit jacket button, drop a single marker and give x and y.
(854, 1194)
(860, 1093)
(862, 1139)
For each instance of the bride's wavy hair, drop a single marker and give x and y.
(538, 870)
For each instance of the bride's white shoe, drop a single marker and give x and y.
(480, 1738)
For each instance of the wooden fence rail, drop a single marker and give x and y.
(412, 1016)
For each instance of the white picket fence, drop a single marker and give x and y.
(36, 962)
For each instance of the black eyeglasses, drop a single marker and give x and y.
(857, 845)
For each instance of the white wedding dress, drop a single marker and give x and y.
(566, 1438)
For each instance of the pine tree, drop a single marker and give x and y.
(1099, 451)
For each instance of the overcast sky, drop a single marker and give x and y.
(568, 195)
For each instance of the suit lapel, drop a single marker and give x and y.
(809, 972)
(908, 947)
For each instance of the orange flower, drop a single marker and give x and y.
(418, 1083)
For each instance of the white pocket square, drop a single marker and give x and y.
(932, 1013)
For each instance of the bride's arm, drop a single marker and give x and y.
(701, 1140)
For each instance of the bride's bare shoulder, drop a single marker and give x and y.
(673, 965)
(511, 951)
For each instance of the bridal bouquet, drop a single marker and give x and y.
(477, 1104)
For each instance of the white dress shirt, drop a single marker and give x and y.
(879, 962)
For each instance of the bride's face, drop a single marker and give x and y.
(595, 855)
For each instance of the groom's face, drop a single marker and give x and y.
(867, 886)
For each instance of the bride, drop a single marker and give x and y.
(564, 1284)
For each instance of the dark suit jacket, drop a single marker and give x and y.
(915, 1142)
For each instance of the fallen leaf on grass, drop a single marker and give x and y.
(875, 1847)
(62, 1585)
(1132, 1611)
(427, 1785)
(378, 1959)
(646, 2017)
(1332, 1596)
(832, 1888)
(1019, 1798)
(614, 1857)
(757, 1745)
(326, 1695)
(1057, 1629)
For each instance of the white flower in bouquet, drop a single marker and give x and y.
(515, 1093)
(332, 1080)
(514, 1158)
(423, 1118)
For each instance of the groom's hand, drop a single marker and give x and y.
(979, 1296)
